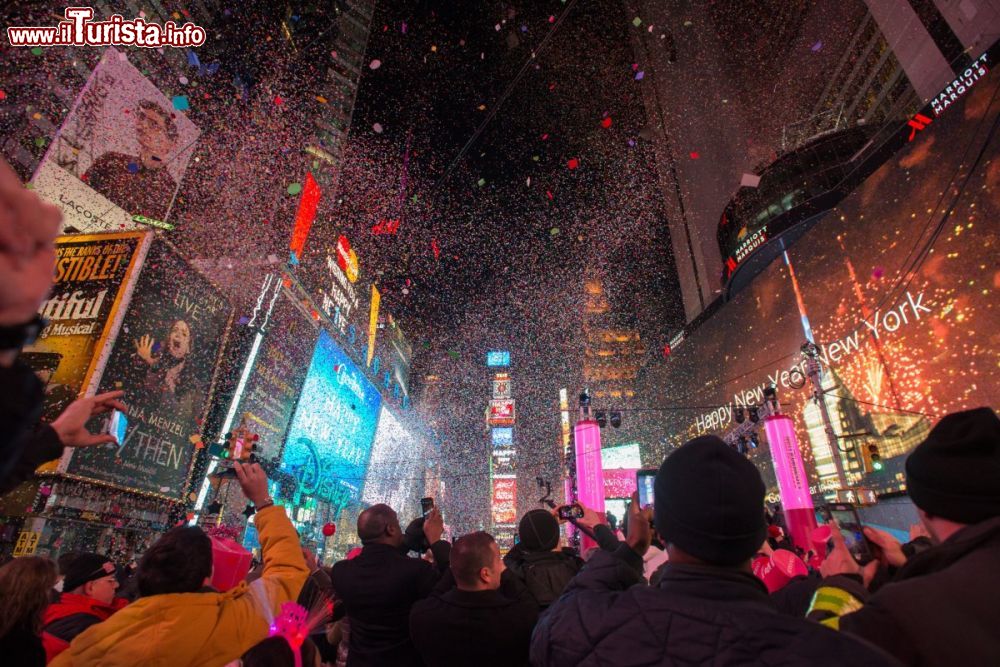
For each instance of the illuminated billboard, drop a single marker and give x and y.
(897, 289)
(619, 483)
(501, 386)
(503, 461)
(503, 436)
(622, 457)
(164, 358)
(502, 412)
(498, 358)
(330, 439)
(90, 279)
(347, 259)
(122, 151)
(395, 466)
(504, 504)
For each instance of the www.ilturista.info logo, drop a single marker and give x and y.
(79, 30)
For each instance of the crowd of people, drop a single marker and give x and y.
(691, 580)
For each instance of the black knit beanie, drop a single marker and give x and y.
(538, 531)
(955, 472)
(84, 568)
(710, 502)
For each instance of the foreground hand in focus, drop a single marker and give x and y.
(840, 560)
(640, 532)
(253, 481)
(890, 551)
(433, 526)
(71, 425)
(28, 228)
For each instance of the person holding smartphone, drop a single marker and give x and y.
(708, 608)
(940, 607)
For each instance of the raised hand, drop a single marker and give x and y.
(640, 532)
(144, 348)
(433, 526)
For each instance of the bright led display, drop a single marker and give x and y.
(498, 358)
(621, 457)
(503, 436)
(331, 435)
(394, 466)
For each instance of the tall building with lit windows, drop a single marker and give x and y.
(613, 351)
(773, 77)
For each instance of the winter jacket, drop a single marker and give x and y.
(545, 574)
(378, 589)
(199, 629)
(25, 443)
(699, 615)
(71, 615)
(940, 609)
(482, 628)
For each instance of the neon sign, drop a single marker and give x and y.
(960, 86)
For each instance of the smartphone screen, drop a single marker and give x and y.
(646, 480)
(567, 512)
(426, 505)
(850, 528)
(117, 426)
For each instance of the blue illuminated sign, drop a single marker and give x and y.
(503, 436)
(498, 358)
(331, 436)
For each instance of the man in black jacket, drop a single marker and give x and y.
(708, 608)
(941, 606)
(485, 620)
(537, 560)
(380, 586)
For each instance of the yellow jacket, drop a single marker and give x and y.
(192, 629)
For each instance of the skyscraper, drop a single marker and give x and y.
(886, 58)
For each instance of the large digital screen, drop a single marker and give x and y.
(498, 358)
(122, 151)
(394, 472)
(622, 457)
(898, 288)
(503, 436)
(502, 412)
(330, 439)
(504, 506)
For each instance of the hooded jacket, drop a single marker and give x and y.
(199, 629)
(940, 609)
(698, 615)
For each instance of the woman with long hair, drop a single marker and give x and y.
(169, 371)
(25, 584)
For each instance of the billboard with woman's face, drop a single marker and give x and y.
(121, 152)
(164, 358)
